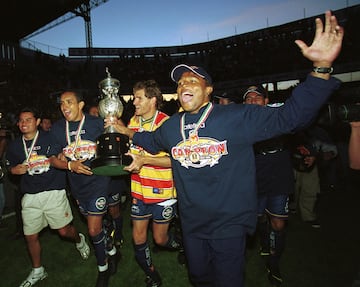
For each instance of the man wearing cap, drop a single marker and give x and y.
(225, 98)
(274, 181)
(211, 148)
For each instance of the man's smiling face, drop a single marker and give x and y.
(193, 92)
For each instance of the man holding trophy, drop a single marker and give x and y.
(75, 139)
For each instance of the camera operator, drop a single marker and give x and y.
(307, 181)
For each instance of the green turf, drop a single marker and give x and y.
(328, 256)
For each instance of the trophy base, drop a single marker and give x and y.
(110, 155)
(108, 167)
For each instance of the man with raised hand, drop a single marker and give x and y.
(211, 148)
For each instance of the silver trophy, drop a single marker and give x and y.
(110, 106)
(111, 146)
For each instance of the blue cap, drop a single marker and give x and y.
(259, 89)
(177, 72)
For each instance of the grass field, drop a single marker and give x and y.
(328, 256)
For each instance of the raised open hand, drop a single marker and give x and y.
(327, 42)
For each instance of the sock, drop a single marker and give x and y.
(264, 233)
(118, 224)
(99, 243)
(277, 243)
(112, 252)
(103, 268)
(143, 257)
(108, 228)
(173, 242)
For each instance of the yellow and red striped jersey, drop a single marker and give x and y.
(152, 184)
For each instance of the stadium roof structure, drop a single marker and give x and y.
(19, 18)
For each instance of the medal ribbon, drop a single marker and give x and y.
(202, 119)
(152, 123)
(77, 136)
(28, 154)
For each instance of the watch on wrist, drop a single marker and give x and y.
(323, 70)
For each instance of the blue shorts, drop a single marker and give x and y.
(216, 262)
(274, 205)
(158, 213)
(114, 199)
(94, 206)
(118, 185)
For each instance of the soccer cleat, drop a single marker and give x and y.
(314, 223)
(103, 279)
(274, 279)
(113, 262)
(83, 247)
(274, 275)
(118, 240)
(34, 277)
(153, 280)
(181, 257)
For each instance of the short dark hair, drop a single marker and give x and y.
(45, 116)
(152, 90)
(78, 94)
(32, 110)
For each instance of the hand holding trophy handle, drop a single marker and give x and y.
(119, 126)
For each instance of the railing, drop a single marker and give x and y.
(45, 48)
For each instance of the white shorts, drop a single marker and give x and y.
(45, 208)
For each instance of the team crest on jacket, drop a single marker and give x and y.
(198, 152)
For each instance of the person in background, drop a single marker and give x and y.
(75, 141)
(354, 146)
(206, 141)
(44, 200)
(94, 110)
(354, 158)
(152, 187)
(327, 153)
(307, 180)
(3, 145)
(45, 123)
(10, 183)
(225, 98)
(274, 181)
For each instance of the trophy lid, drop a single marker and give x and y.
(109, 83)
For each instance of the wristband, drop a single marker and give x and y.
(69, 165)
(323, 70)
